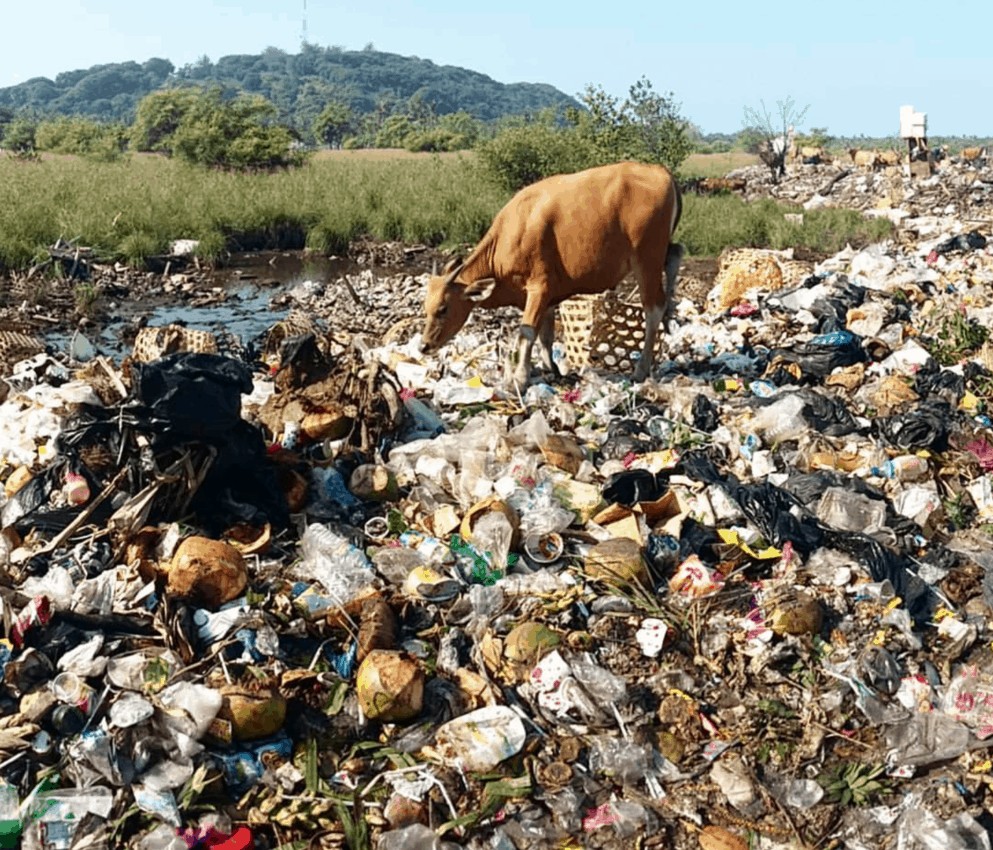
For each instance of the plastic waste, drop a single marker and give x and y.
(335, 562)
(624, 816)
(163, 837)
(426, 423)
(10, 819)
(902, 468)
(924, 739)
(130, 710)
(54, 815)
(417, 836)
(624, 761)
(920, 829)
(481, 739)
(782, 420)
(797, 793)
(847, 511)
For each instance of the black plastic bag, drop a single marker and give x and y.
(191, 396)
(624, 437)
(705, 416)
(818, 358)
(931, 379)
(633, 486)
(782, 518)
(971, 241)
(699, 540)
(926, 427)
(188, 399)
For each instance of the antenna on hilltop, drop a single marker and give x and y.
(303, 30)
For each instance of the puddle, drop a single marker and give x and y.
(250, 281)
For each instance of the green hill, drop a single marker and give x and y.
(298, 84)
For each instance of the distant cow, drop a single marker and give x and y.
(971, 154)
(714, 185)
(564, 236)
(864, 159)
(889, 158)
(810, 155)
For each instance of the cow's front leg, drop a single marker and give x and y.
(519, 365)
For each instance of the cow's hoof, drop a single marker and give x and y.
(640, 375)
(519, 380)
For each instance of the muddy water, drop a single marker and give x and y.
(249, 283)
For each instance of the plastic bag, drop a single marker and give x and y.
(925, 427)
(635, 485)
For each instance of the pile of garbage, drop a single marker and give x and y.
(958, 188)
(336, 594)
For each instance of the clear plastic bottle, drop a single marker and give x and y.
(902, 468)
(335, 562)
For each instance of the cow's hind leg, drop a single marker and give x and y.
(546, 340)
(650, 272)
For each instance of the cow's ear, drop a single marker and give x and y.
(479, 290)
(451, 264)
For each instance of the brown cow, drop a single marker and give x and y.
(864, 159)
(713, 185)
(564, 236)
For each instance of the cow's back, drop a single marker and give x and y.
(584, 228)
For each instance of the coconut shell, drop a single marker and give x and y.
(252, 715)
(527, 642)
(326, 425)
(373, 483)
(799, 615)
(563, 452)
(718, 838)
(207, 572)
(618, 561)
(390, 686)
(17, 479)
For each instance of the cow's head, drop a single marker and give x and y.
(448, 303)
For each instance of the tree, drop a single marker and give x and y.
(776, 132)
(237, 133)
(647, 126)
(159, 116)
(19, 136)
(332, 124)
(662, 131)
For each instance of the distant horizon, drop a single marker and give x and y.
(855, 66)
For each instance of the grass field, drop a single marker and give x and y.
(716, 164)
(132, 209)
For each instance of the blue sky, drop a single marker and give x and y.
(854, 63)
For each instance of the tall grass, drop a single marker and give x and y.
(711, 224)
(132, 209)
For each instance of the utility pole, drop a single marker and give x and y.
(303, 31)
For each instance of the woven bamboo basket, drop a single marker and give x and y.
(605, 331)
